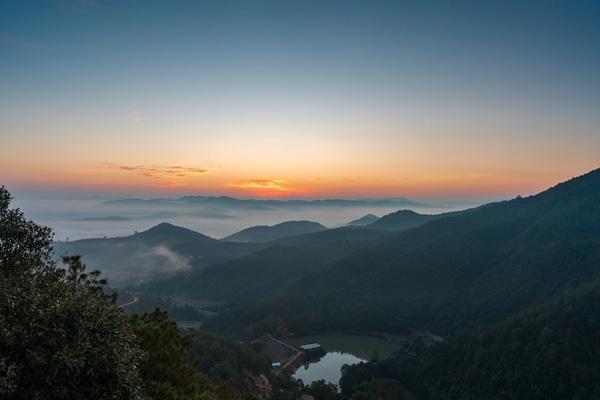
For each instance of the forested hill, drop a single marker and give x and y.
(551, 351)
(402, 220)
(267, 273)
(452, 273)
(156, 253)
(364, 220)
(548, 352)
(266, 233)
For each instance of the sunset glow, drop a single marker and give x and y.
(343, 104)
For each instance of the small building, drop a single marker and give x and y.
(311, 348)
(276, 366)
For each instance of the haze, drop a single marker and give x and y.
(307, 100)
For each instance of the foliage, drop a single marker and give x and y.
(61, 337)
(268, 272)
(322, 390)
(227, 360)
(167, 371)
(176, 311)
(263, 233)
(153, 254)
(402, 220)
(549, 352)
(446, 276)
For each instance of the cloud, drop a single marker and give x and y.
(354, 179)
(166, 260)
(158, 171)
(131, 263)
(442, 178)
(456, 177)
(263, 184)
(10, 41)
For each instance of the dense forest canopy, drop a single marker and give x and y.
(513, 286)
(447, 275)
(550, 351)
(63, 337)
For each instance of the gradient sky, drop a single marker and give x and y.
(445, 99)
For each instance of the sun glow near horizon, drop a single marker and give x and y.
(297, 100)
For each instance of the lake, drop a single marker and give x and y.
(340, 350)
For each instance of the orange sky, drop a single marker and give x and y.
(298, 157)
(334, 180)
(298, 99)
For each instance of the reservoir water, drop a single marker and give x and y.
(340, 350)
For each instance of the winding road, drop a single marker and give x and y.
(133, 301)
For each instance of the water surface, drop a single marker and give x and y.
(340, 350)
(328, 368)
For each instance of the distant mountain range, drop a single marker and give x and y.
(158, 252)
(442, 272)
(362, 221)
(403, 219)
(513, 285)
(232, 202)
(446, 275)
(266, 233)
(167, 249)
(276, 268)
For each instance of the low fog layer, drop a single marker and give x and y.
(129, 263)
(74, 219)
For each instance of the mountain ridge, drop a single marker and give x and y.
(467, 268)
(364, 220)
(266, 233)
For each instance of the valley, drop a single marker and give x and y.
(489, 263)
(299, 200)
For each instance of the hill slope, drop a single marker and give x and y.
(158, 252)
(265, 233)
(364, 220)
(451, 273)
(551, 351)
(269, 272)
(402, 220)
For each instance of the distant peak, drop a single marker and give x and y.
(165, 230)
(406, 212)
(364, 220)
(303, 222)
(166, 226)
(264, 233)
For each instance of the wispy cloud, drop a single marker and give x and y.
(353, 179)
(11, 41)
(456, 177)
(158, 171)
(442, 178)
(360, 179)
(278, 185)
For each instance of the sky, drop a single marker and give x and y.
(443, 100)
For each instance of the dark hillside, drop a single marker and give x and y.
(550, 351)
(268, 272)
(450, 274)
(279, 231)
(158, 252)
